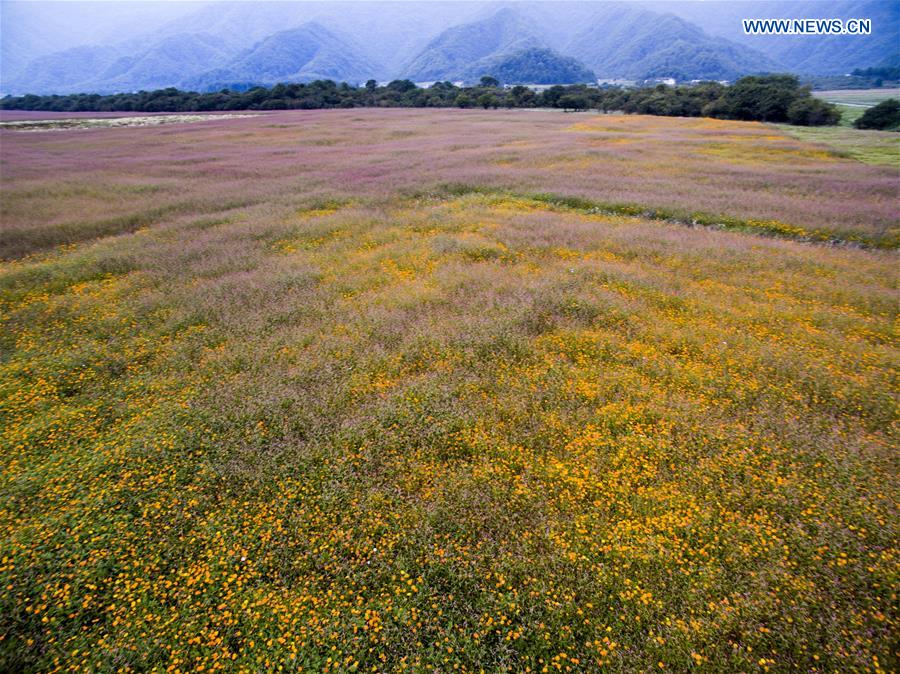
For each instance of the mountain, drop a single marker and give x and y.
(532, 66)
(635, 43)
(31, 29)
(198, 61)
(614, 41)
(715, 60)
(34, 37)
(165, 62)
(460, 51)
(310, 52)
(23, 37)
(65, 47)
(802, 54)
(66, 71)
(892, 61)
(389, 34)
(840, 54)
(393, 33)
(122, 67)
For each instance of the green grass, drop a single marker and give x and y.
(880, 148)
(850, 114)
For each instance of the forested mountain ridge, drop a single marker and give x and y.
(215, 43)
(535, 65)
(635, 43)
(309, 52)
(462, 51)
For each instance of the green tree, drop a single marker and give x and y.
(812, 112)
(552, 95)
(884, 116)
(573, 103)
(401, 86)
(489, 81)
(487, 101)
(759, 97)
(522, 96)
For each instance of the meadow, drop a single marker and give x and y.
(869, 146)
(850, 113)
(852, 103)
(446, 390)
(858, 97)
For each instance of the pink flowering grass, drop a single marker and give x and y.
(125, 178)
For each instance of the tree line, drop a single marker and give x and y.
(880, 73)
(768, 98)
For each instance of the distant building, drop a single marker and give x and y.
(428, 85)
(537, 88)
(614, 82)
(722, 82)
(668, 81)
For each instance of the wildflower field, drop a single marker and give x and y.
(446, 390)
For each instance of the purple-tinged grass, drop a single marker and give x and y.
(299, 155)
(341, 427)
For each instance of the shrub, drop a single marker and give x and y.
(812, 112)
(884, 116)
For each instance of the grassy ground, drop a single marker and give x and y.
(870, 147)
(357, 421)
(82, 122)
(70, 186)
(849, 114)
(858, 97)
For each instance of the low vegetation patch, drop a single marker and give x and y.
(90, 123)
(773, 228)
(878, 148)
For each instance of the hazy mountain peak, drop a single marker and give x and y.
(458, 50)
(307, 52)
(635, 43)
(147, 45)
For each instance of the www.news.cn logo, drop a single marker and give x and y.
(807, 26)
